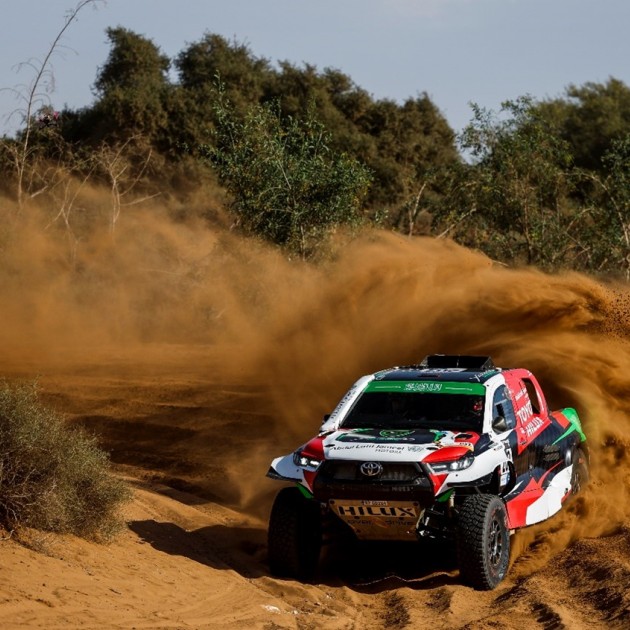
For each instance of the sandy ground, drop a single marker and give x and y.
(193, 553)
(196, 356)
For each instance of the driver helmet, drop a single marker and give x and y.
(477, 406)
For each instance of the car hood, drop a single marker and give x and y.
(392, 445)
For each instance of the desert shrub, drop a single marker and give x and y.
(53, 477)
(287, 184)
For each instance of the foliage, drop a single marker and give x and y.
(613, 225)
(36, 100)
(589, 119)
(287, 184)
(413, 144)
(131, 87)
(243, 74)
(190, 103)
(523, 199)
(52, 478)
(541, 183)
(517, 189)
(398, 143)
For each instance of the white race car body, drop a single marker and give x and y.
(404, 445)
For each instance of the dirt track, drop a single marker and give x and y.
(195, 380)
(196, 557)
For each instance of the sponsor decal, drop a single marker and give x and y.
(532, 426)
(468, 445)
(448, 438)
(438, 435)
(504, 473)
(525, 412)
(427, 387)
(415, 440)
(382, 511)
(343, 447)
(423, 387)
(394, 433)
(382, 436)
(416, 448)
(389, 448)
(347, 396)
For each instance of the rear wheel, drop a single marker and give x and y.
(483, 541)
(579, 474)
(295, 535)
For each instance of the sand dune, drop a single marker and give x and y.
(196, 357)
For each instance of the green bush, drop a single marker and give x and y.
(52, 477)
(287, 184)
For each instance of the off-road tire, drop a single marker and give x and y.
(483, 541)
(580, 474)
(294, 537)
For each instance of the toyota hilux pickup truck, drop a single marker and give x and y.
(453, 448)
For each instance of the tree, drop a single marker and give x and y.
(36, 100)
(413, 143)
(589, 119)
(131, 87)
(401, 144)
(287, 184)
(300, 89)
(611, 249)
(243, 74)
(517, 189)
(190, 103)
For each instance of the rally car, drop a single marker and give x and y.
(453, 448)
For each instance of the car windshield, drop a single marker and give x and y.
(398, 410)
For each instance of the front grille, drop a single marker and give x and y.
(397, 481)
(351, 471)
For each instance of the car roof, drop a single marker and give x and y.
(458, 368)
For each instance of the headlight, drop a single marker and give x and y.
(454, 466)
(305, 461)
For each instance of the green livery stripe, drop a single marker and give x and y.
(445, 496)
(426, 387)
(304, 491)
(575, 425)
(567, 432)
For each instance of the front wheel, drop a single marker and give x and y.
(295, 535)
(483, 541)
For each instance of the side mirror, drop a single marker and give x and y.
(326, 417)
(499, 424)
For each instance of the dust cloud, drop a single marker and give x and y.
(303, 333)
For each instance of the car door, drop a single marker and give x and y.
(502, 407)
(531, 419)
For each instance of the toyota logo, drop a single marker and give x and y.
(371, 469)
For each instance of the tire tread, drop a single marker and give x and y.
(471, 541)
(294, 535)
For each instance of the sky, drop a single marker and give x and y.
(456, 51)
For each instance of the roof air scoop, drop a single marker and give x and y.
(468, 362)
